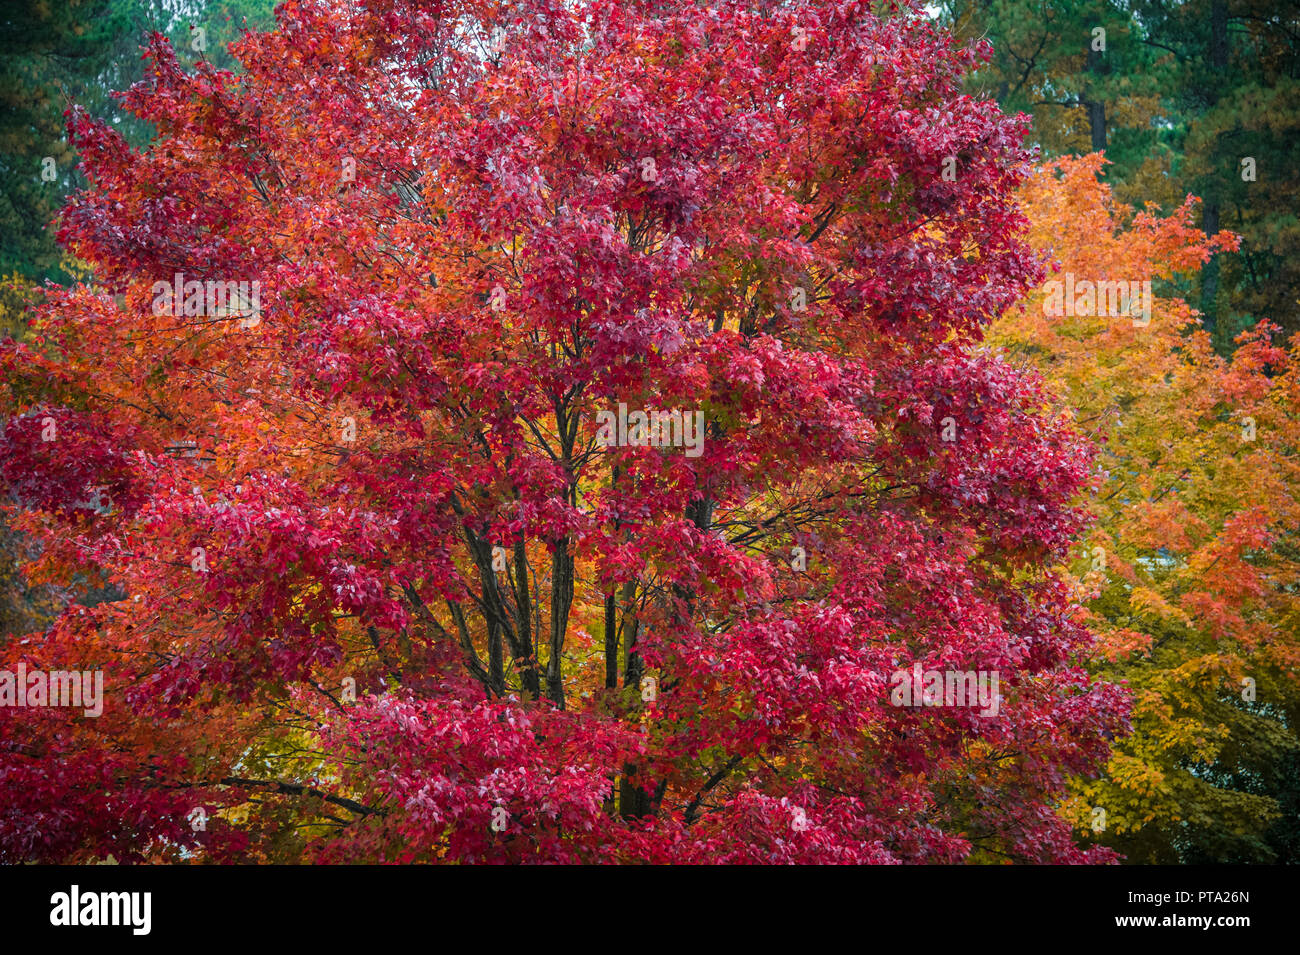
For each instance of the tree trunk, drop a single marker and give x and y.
(1218, 58)
(1098, 67)
(561, 601)
(531, 679)
(1097, 125)
(611, 643)
(633, 800)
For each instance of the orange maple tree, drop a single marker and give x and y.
(1192, 566)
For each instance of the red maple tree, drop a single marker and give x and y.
(458, 232)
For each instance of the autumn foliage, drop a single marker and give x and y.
(475, 226)
(1191, 568)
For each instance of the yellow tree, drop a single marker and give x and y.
(1191, 568)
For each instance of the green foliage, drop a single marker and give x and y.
(1184, 94)
(1081, 69)
(49, 55)
(1233, 93)
(54, 54)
